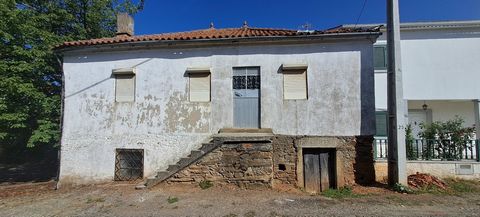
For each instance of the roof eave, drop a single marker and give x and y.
(372, 36)
(425, 25)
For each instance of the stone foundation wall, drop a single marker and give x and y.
(246, 164)
(277, 161)
(284, 161)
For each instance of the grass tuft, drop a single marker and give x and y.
(95, 200)
(455, 187)
(171, 200)
(402, 188)
(463, 186)
(205, 184)
(345, 192)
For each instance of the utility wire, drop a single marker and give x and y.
(361, 12)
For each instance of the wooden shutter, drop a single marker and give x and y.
(200, 87)
(295, 84)
(125, 88)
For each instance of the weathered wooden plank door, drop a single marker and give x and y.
(319, 172)
(246, 97)
(324, 171)
(311, 172)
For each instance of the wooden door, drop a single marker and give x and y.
(319, 169)
(311, 172)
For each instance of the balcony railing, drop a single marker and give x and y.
(421, 149)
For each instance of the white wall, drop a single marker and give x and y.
(167, 126)
(441, 169)
(437, 65)
(447, 110)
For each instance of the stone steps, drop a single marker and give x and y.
(181, 164)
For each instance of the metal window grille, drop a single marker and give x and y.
(128, 164)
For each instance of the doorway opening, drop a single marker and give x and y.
(246, 97)
(319, 169)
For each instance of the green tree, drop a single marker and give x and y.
(30, 72)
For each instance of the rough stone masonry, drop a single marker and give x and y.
(277, 162)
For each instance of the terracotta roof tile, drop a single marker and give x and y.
(245, 32)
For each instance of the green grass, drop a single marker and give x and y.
(95, 200)
(205, 184)
(402, 188)
(454, 187)
(345, 192)
(463, 186)
(171, 200)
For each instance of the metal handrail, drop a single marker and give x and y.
(433, 149)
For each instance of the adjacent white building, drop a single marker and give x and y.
(441, 72)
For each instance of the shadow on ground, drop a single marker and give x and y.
(30, 167)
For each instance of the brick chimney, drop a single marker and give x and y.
(124, 24)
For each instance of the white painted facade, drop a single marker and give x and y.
(167, 126)
(441, 68)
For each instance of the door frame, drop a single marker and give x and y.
(331, 166)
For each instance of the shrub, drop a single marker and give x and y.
(411, 154)
(447, 138)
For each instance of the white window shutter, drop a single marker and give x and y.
(200, 87)
(295, 84)
(125, 88)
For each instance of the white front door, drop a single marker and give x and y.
(415, 118)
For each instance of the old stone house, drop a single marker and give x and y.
(247, 106)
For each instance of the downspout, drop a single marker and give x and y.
(62, 108)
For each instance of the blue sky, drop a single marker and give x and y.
(183, 15)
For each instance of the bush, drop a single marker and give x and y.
(411, 154)
(447, 138)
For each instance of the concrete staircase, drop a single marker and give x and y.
(181, 164)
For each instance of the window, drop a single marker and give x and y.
(381, 122)
(128, 164)
(380, 57)
(295, 84)
(199, 87)
(125, 88)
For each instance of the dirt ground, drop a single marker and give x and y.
(118, 199)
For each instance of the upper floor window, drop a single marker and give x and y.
(380, 57)
(124, 85)
(199, 84)
(294, 81)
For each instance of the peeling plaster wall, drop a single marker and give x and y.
(167, 126)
